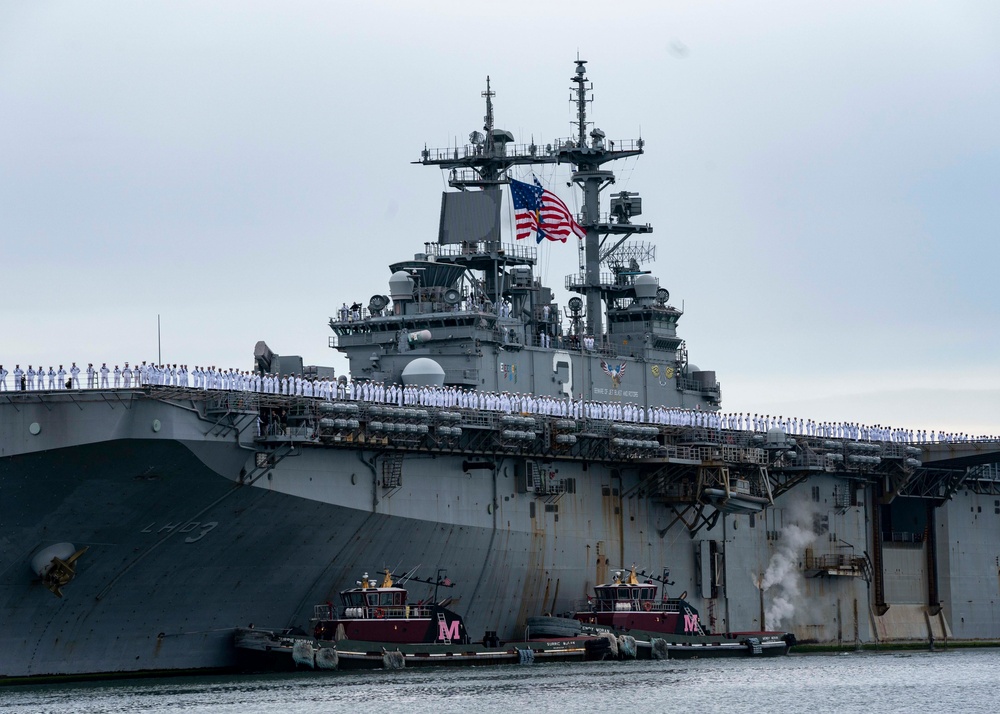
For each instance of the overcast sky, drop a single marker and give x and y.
(823, 178)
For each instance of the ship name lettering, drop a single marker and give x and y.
(205, 528)
(188, 527)
(615, 392)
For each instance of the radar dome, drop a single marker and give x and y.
(645, 286)
(401, 286)
(775, 438)
(423, 372)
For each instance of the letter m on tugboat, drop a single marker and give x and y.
(691, 623)
(448, 631)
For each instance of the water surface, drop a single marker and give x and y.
(953, 681)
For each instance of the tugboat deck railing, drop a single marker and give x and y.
(638, 605)
(378, 612)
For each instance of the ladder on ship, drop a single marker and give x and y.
(264, 461)
(443, 629)
(392, 471)
(689, 616)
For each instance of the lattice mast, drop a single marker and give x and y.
(486, 161)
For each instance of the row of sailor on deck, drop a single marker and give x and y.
(457, 397)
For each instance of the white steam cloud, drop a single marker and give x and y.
(783, 580)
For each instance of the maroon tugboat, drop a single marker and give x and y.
(627, 604)
(672, 626)
(382, 614)
(374, 626)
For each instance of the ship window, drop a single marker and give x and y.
(397, 599)
(372, 600)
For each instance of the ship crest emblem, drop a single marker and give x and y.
(509, 371)
(663, 373)
(616, 372)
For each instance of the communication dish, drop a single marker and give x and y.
(575, 305)
(476, 138)
(452, 296)
(377, 302)
(662, 295)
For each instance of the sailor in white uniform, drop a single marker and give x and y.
(74, 373)
(18, 376)
(118, 377)
(52, 378)
(104, 375)
(3, 379)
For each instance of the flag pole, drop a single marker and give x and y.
(159, 353)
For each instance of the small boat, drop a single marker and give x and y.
(375, 627)
(660, 626)
(382, 614)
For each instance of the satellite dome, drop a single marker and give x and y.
(776, 438)
(423, 372)
(646, 286)
(401, 286)
(692, 368)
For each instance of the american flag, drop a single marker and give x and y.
(539, 211)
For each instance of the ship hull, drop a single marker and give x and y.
(187, 540)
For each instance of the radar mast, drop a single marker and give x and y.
(485, 164)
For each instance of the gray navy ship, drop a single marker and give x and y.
(140, 526)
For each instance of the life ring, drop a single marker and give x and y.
(379, 613)
(647, 606)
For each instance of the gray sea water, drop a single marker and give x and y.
(950, 681)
